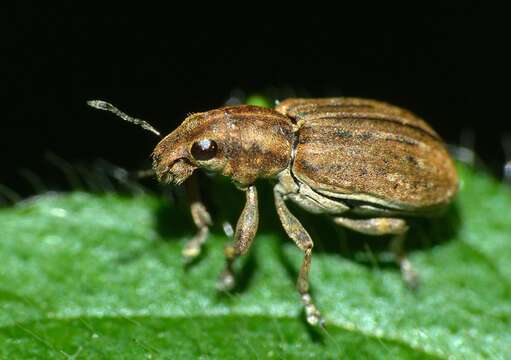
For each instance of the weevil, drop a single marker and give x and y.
(366, 164)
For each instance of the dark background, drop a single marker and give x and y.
(444, 63)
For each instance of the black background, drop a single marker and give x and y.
(444, 63)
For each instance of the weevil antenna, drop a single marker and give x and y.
(103, 105)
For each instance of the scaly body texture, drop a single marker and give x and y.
(369, 151)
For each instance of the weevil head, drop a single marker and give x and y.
(197, 142)
(242, 142)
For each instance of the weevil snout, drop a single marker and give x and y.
(176, 172)
(171, 165)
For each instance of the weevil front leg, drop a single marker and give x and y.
(246, 229)
(387, 226)
(201, 218)
(302, 239)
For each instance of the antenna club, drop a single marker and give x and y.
(100, 104)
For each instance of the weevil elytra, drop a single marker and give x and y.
(366, 164)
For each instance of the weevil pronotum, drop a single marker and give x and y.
(366, 164)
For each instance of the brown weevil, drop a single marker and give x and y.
(366, 164)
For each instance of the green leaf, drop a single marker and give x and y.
(258, 100)
(101, 276)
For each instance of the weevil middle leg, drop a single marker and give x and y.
(386, 226)
(302, 239)
(244, 234)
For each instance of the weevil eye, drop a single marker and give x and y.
(204, 149)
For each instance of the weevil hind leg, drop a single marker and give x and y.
(302, 239)
(201, 218)
(387, 226)
(246, 229)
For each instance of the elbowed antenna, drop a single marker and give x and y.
(103, 105)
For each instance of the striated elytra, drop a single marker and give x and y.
(367, 164)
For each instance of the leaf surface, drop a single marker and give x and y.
(101, 276)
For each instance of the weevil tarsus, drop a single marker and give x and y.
(295, 230)
(408, 273)
(106, 106)
(246, 229)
